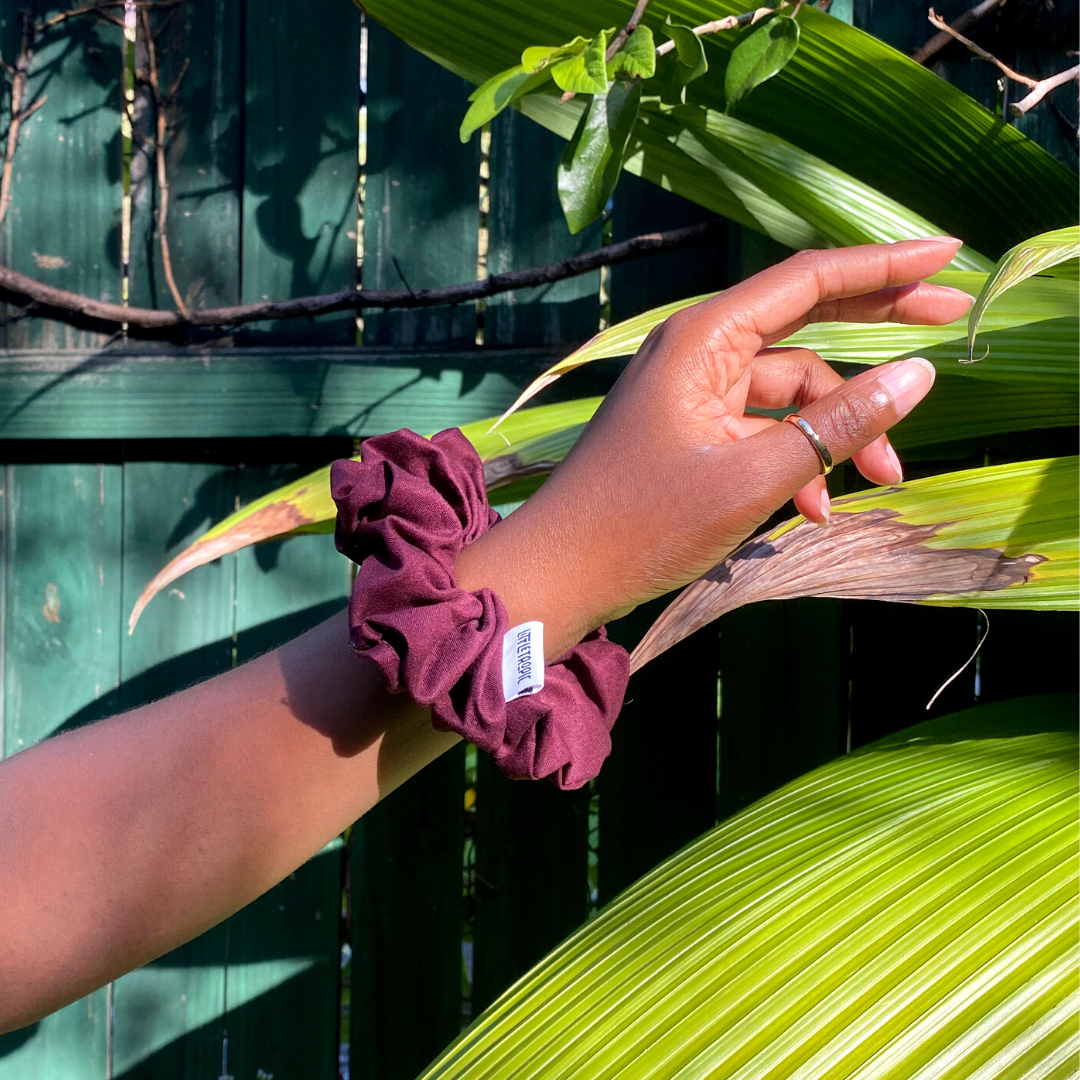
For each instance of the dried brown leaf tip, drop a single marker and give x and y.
(868, 555)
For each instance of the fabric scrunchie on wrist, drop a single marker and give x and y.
(404, 514)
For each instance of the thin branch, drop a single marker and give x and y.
(160, 112)
(619, 39)
(925, 53)
(18, 114)
(85, 312)
(980, 52)
(1042, 88)
(99, 9)
(729, 22)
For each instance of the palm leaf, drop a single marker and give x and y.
(1000, 537)
(515, 458)
(908, 910)
(1033, 256)
(1035, 330)
(935, 150)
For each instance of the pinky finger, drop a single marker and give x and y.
(812, 501)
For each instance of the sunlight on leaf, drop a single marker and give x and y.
(759, 56)
(907, 910)
(586, 72)
(499, 91)
(637, 57)
(592, 161)
(1032, 257)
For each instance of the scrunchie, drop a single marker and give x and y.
(405, 511)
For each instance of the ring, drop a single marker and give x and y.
(816, 442)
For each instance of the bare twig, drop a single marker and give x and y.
(85, 312)
(1042, 88)
(98, 9)
(925, 53)
(729, 22)
(18, 113)
(161, 105)
(979, 51)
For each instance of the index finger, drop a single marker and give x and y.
(762, 305)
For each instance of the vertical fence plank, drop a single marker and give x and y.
(63, 225)
(407, 916)
(421, 196)
(640, 207)
(203, 161)
(61, 664)
(283, 964)
(658, 788)
(420, 220)
(531, 839)
(783, 690)
(301, 126)
(168, 1014)
(653, 801)
(526, 228)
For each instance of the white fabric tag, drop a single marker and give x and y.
(523, 660)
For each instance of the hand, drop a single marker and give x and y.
(672, 474)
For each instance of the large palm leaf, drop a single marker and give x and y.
(906, 911)
(845, 97)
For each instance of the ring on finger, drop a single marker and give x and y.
(815, 440)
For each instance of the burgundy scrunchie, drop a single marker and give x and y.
(404, 514)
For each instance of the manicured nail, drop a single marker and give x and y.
(826, 507)
(894, 461)
(943, 240)
(907, 382)
(957, 292)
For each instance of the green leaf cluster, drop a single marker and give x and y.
(614, 87)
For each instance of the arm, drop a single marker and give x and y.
(122, 840)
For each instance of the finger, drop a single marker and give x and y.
(792, 376)
(779, 296)
(812, 500)
(847, 420)
(920, 303)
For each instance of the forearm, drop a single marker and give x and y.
(122, 840)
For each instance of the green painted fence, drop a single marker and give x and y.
(370, 957)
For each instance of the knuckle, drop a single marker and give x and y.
(848, 419)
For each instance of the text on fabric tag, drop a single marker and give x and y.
(523, 660)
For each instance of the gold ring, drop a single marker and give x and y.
(820, 448)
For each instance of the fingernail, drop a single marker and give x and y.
(957, 292)
(944, 240)
(826, 507)
(894, 461)
(907, 382)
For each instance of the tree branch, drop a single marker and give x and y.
(729, 22)
(980, 52)
(619, 39)
(87, 313)
(1042, 88)
(18, 114)
(925, 53)
(161, 103)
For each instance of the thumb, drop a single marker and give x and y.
(846, 420)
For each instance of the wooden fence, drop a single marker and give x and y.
(369, 958)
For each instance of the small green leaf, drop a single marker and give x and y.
(1032, 257)
(592, 160)
(636, 57)
(540, 56)
(690, 51)
(759, 56)
(585, 73)
(499, 91)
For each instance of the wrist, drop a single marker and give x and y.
(538, 573)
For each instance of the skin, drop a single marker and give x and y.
(122, 840)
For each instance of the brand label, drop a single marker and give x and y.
(523, 660)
